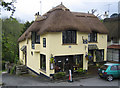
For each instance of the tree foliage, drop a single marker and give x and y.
(26, 26)
(11, 29)
(9, 6)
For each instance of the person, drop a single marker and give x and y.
(57, 68)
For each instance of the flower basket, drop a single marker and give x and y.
(52, 61)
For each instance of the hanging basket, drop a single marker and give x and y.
(52, 63)
(87, 58)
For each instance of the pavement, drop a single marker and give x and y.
(14, 80)
(89, 79)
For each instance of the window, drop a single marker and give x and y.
(44, 42)
(99, 55)
(35, 38)
(114, 68)
(43, 62)
(118, 67)
(92, 37)
(113, 55)
(69, 37)
(104, 67)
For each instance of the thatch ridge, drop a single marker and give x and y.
(60, 20)
(92, 22)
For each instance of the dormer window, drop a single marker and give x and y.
(92, 37)
(69, 37)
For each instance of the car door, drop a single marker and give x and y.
(114, 71)
(119, 70)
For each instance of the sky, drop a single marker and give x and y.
(26, 9)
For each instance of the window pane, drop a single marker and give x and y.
(63, 37)
(44, 42)
(69, 40)
(114, 68)
(73, 37)
(92, 37)
(118, 67)
(33, 37)
(37, 38)
(99, 55)
(43, 62)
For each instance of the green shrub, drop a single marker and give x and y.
(59, 75)
(12, 71)
(80, 70)
(3, 65)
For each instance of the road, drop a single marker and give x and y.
(13, 80)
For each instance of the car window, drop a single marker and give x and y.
(104, 67)
(118, 67)
(114, 67)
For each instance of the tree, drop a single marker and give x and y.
(26, 26)
(10, 34)
(9, 6)
(93, 11)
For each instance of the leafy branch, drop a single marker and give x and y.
(8, 6)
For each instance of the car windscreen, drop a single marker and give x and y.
(104, 67)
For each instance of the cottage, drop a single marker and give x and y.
(61, 40)
(113, 51)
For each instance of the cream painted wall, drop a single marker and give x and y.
(58, 49)
(55, 47)
(102, 44)
(33, 61)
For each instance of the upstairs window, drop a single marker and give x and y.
(69, 37)
(44, 42)
(35, 38)
(92, 37)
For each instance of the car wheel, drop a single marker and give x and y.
(110, 78)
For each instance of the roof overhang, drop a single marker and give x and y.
(92, 46)
(114, 47)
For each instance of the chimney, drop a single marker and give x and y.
(37, 15)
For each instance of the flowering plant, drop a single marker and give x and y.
(52, 60)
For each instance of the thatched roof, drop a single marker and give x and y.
(60, 18)
(112, 25)
(92, 22)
